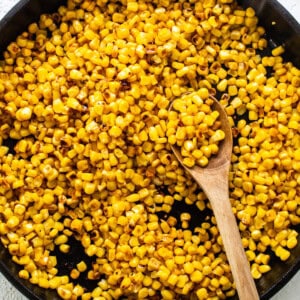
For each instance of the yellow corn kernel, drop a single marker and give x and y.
(81, 267)
(282, 253)
(196, 276)
(222, 86)
(64, 248)
(24, 114)
(24, 274)
(89, 188)
(61, 239)
(291, 242)
(163, 273)
(202, 293)
(255, 273)
(74, 274)
(13, 222)
(133, 198)
(278, 51)
(219, 135)
(167, 294)
(264, 269)
(172, 280)
(76, 75)
(64, 293)
(189, 162)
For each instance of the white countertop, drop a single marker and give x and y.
(291, 291)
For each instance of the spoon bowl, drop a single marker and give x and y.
(225, 146)
(213, 179)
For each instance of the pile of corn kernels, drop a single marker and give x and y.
(195, 129)
(84, 95)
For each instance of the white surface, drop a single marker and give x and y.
(290, 292)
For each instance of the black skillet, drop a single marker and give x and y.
(281, 28)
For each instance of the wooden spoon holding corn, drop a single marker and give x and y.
(213, 179)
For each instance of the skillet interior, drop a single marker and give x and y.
(281, 27)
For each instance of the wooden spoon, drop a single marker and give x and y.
(213, 179)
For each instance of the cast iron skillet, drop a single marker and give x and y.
(281, 28)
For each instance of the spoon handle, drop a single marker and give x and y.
(219, 199)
